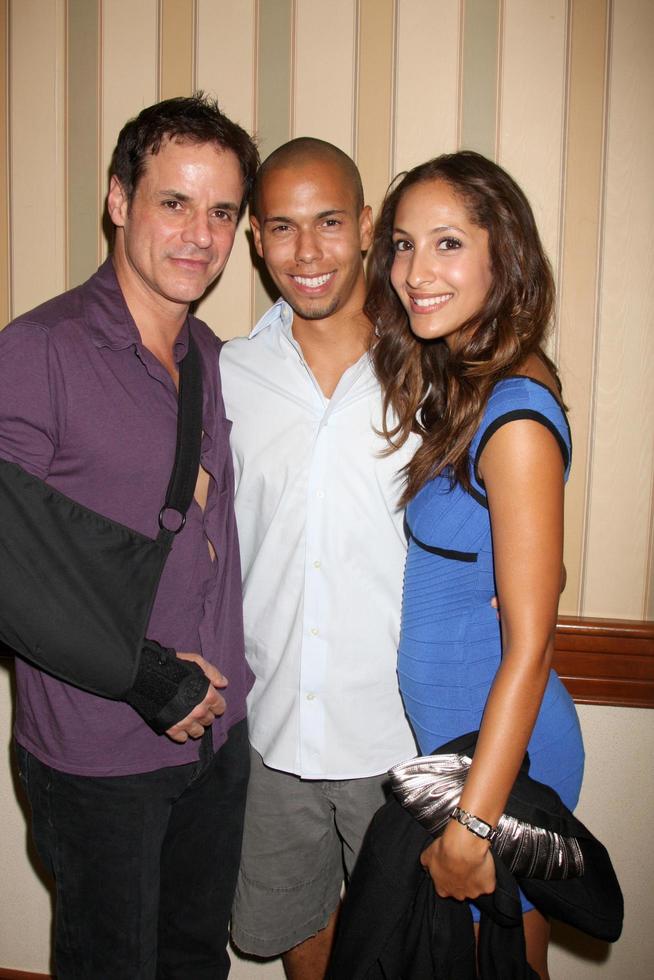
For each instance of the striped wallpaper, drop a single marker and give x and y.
(558, 91)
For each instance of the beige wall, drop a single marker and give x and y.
(558, 91)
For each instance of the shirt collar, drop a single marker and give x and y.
(280, 317)
(110, 322)
(279, 313)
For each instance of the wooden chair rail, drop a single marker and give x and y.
(606, 661)
(6, 974)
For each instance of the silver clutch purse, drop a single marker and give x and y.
(430, 786)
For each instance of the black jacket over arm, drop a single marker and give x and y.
(394, 926)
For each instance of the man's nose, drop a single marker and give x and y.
(307, 247)
(198, 230)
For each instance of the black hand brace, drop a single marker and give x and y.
(165, 689)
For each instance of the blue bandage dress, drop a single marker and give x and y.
(450, 646)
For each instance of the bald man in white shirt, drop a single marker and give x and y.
(322, 552)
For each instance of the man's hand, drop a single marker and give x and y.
(205, 713)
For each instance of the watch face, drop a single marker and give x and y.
(480, 827)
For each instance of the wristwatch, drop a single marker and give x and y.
(474, 824)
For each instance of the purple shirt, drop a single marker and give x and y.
(86, 407)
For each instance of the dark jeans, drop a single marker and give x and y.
(145, 866)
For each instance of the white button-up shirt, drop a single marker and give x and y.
(322, 554)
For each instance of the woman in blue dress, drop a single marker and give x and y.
(462, 295)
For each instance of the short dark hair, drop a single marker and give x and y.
(300, 151)
(193, 119)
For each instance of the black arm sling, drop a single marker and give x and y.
(77, 589)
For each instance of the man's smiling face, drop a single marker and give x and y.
(310, 234)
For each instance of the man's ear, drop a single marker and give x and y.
(117, 204)
(365, 228)
(256, 234)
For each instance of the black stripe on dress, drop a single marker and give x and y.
(467, 556)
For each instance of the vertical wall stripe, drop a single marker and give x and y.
(176, 48)
(37, 154)
(5, 275)
(275, 71)
(325, 53)
(532, 106)
(620, 497)
(82, 139)
(480, 76)
(130, 70)
(226, 50)
(226, 68)
(579, 274)
(426, 84)
(375, 90)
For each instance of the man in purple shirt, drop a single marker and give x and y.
(142, 832)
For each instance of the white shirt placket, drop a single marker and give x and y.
(315, 628)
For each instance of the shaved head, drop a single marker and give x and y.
(299, 153)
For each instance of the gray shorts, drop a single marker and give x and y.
(301, 840)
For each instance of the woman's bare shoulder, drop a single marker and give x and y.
(537, 368)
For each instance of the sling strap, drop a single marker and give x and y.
(183, 478)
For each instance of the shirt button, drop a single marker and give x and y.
(320, 494)
(311, 696)
(315, 631)
(316, 564)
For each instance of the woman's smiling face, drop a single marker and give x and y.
(442, 267)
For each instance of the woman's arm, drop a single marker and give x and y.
(522, 469)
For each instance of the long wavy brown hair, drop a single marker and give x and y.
(427, 388)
